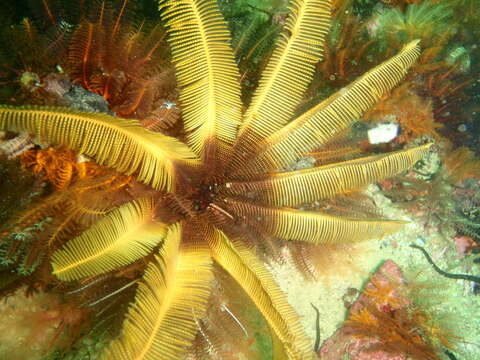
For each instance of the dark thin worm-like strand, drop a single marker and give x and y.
(473, 278)
(317, 335)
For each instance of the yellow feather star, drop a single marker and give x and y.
(227, 176)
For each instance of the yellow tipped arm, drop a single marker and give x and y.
(173, 294)
(312, 227)
(258, 283)
(288, 73)
(206, 72)
(118, 143)
(123, 236)
(305, 186)
(318, 125)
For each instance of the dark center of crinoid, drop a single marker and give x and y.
(194, 199)
(203, 196)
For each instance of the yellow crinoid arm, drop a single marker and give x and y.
(206, 73)
(162, 322)
(293, 188)
(121, 237)
(288, 72)
(308, 226)
(288, 335)
(319, 124)
(118, 143)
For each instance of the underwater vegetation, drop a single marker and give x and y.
(127, 67)
(393, 318)
(212, 154)
(441, 76)
(12, 186)
(255, 27)
(109, 50)
(427, 20)
(414, 114)
(443, 193)
(46, 321)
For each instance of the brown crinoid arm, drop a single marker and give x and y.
(318, 125)
(293, 188)
(81, 60)
(288, 338)
(162, 322)
(118, 143)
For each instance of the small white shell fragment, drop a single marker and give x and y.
(82, 159)
(382, 133)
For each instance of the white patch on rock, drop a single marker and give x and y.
(382, 133)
